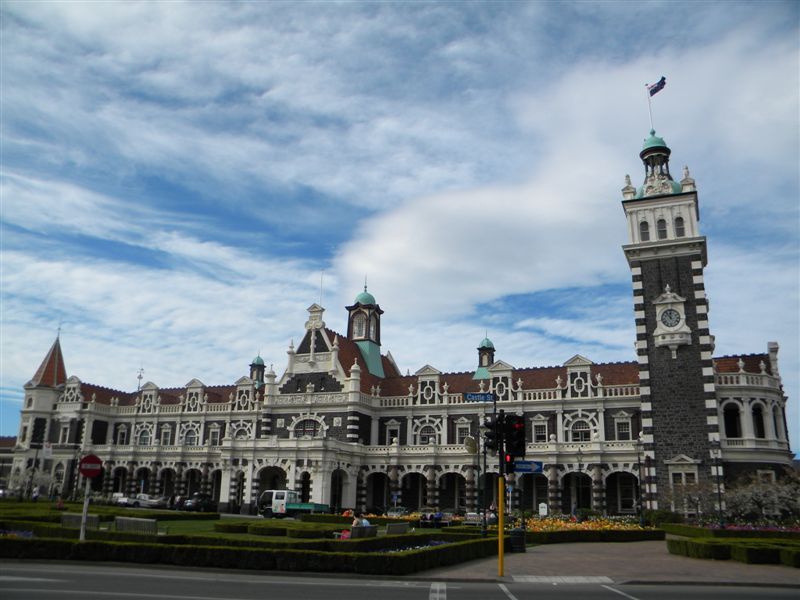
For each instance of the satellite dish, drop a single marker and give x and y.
(470, 445)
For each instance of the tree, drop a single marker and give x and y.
(756, 497)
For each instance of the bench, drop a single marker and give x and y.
(363, 532)
(396, 528)
(136, 525)
(472, 519)
(73, 520)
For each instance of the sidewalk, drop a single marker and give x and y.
(639, 562)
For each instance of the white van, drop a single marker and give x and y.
(272, 503)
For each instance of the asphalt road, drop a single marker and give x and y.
(61, 580)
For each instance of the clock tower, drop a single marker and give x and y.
(674, 348)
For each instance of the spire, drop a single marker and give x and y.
(51, 372)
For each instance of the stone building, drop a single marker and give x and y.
(344, 427)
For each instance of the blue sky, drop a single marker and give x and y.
(177, 176)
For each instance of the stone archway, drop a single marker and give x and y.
(142, 481)
(576, 492)
(414, 490)
(379, 496)
(452, 493)
(533, 487)
(622, 493)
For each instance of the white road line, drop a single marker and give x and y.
(12, 578)
(571, 579)
(505, 589)
(438, 591)
(621, 593)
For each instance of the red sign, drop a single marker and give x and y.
(90, 466)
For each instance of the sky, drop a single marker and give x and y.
(180, 181)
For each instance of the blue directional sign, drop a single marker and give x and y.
(483, 397)
(527, 466)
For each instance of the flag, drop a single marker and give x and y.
(657, 87)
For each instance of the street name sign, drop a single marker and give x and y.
(482, 397)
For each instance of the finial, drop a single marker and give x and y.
(627, 179)
(365, 283)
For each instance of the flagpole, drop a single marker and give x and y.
(649, 104)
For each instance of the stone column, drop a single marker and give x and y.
(470, 492)
(598, 489)
(394, 485)
(433, 491)
(108, 480)
(553, 490)
(361, 490)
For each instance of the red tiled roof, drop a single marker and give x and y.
(51, 372)
(8, 441)
(730, 364)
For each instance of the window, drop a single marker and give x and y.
(213, 437)
(427, 435)
(662, 229)
(24, 435)
(306, 428)
(392, 433)
(64, 437)
(122, 437)
(360, 325)
(540, 432)
(373, 328)
(758, 421)
(766, 476)
(680, 230)
(644, 231)
(29, 402)
(190, 439)
(462, 431)
(581, 431)
(144, 438)
(733, 425)
(166, 436)
(623, 430)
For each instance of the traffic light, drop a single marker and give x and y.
(492, 439)
(509, 463)
(515, 436)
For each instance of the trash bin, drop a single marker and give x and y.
(517, 540)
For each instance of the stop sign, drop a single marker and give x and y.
(90, 466)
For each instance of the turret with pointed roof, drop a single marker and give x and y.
(51, 373)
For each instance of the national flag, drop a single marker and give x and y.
(657, 87)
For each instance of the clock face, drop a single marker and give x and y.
(670, 317)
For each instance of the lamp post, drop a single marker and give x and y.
(578, 481)
(639, 504)
(482, 484)
(716, 454)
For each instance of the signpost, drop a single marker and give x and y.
(90, 466)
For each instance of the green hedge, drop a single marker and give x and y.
(696, 532)
(373, 563)
(766, 551)
(228, 527)
(599, 535)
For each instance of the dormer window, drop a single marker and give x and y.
(581, 431)
(662, 229)
(644, 231)
(680, 229)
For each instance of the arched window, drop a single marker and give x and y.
(306, 428)
(122, 436)
(144, 438)
(581, 431)
(758, 421)
(190, 439)
(373, 328)
(680, 230)
(662, 229)
(241, 434)
(777, 423)
(428, 435)
(644, 231)
(360, 325)
(733, 424)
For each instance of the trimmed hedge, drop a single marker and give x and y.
(373, 563)
(599, 535)
(743, 550)
(692, 531)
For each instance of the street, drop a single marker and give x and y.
(56, 580)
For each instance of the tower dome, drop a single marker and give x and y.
(365, 298)
(657, 179)
(486, 343)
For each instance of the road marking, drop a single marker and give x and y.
(621, 593)
(438, 591)
(507, 593)
(571, 579)
(12, 578)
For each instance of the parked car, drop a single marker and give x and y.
(200, 502)
(397, 511)
(143, 501)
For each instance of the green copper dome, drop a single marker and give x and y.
(365, 297)
(653, 141)
(486, 343)
(258, 361)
